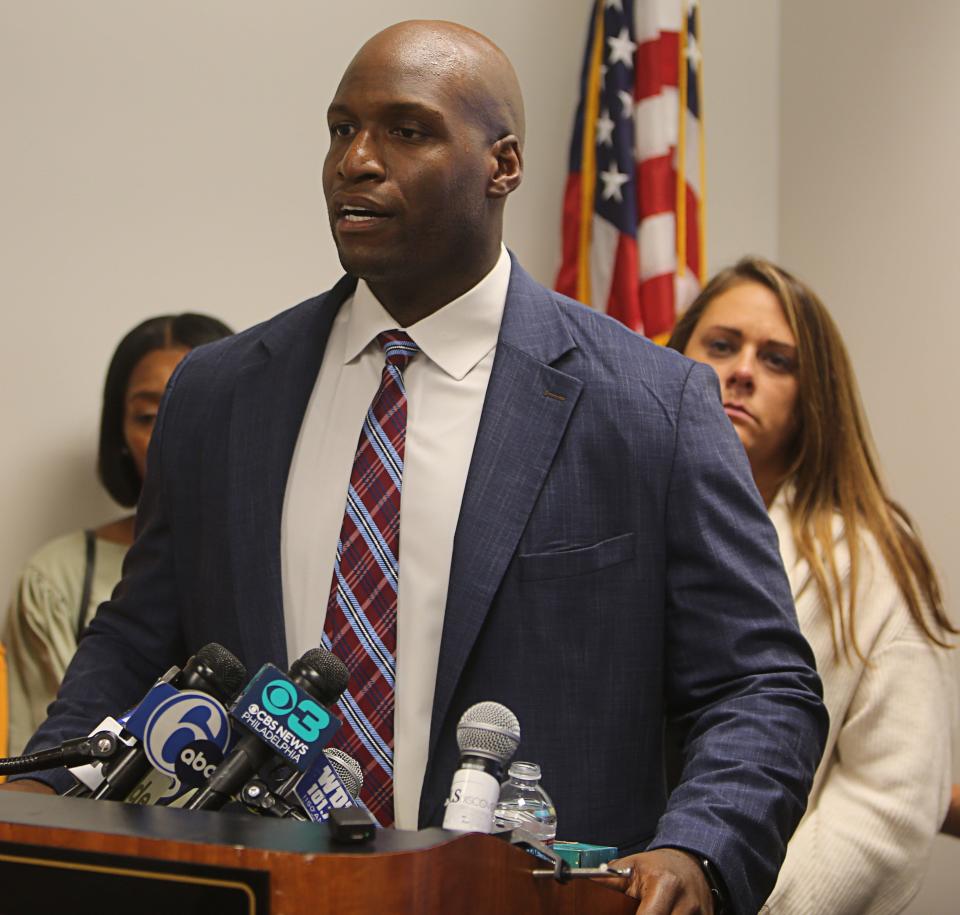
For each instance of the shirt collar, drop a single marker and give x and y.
(455, 337)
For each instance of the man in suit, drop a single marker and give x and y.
(581, 537)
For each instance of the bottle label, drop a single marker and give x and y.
(472, 801)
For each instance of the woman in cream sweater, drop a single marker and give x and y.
(867, 596)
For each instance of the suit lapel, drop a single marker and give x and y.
(273, 389)
(525, 414)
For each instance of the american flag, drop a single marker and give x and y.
(634, 205)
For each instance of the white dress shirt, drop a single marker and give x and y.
(446, 384)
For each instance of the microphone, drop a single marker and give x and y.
(347, 768)
(286, 717)
(177, 712)
(333, 783)
(488, 735)
(101, 744)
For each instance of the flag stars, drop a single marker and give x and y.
(614, 5)
(605, 125)
(693, 55)
(626, 103)
(621, 48)
(613, 179)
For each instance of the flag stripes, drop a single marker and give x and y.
(633, 213)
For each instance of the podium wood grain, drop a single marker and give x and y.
(403, 873)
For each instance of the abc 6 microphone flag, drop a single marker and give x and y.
(185, 735)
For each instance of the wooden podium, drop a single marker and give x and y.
(62, 854)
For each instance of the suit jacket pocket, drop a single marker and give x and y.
(579, 561)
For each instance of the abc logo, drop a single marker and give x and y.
(185, 719)
(196, 762)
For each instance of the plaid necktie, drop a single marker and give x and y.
(361, 623)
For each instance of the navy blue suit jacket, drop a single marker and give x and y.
(613, 569)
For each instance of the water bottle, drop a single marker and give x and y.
(523, 803)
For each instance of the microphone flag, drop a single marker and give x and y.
(320, 790)
(286, 717)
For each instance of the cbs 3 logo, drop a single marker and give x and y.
(306, 718)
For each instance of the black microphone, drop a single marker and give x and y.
(284, 718)
(213, 670)
(96, 746)
(488, 735)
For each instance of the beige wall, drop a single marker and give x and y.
(869, 196)
(160, 157)
(163, 157)
(741, 50)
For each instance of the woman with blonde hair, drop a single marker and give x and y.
(867, 596)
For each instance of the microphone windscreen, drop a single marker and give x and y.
(490, 730)
(347, 768)
(326, 673)
(228, 672)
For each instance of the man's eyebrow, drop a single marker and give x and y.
(394, 108)
(415, 108)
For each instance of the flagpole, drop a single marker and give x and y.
(682, 148)
(588, 165)
(704, 273)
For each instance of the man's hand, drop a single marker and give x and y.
(667, 881)
(27, 784)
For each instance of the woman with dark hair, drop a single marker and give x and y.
(65, 581)
(867, 596)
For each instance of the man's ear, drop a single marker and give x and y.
(508, 171)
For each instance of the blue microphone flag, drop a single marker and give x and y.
(285, 717)
(320, 790)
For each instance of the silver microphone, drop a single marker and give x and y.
(347, 768)
(488, 735)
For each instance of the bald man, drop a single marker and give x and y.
(581, 538)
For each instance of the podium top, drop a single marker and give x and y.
(398, 873)
(205, 827)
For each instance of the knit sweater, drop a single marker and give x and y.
(882, 788)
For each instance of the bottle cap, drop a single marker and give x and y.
(525, 771)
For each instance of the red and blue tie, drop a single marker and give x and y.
(361, 623)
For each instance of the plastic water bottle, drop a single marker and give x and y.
(524, 804)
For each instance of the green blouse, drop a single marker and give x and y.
(43, 620)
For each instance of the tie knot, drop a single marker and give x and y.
(398, 347)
